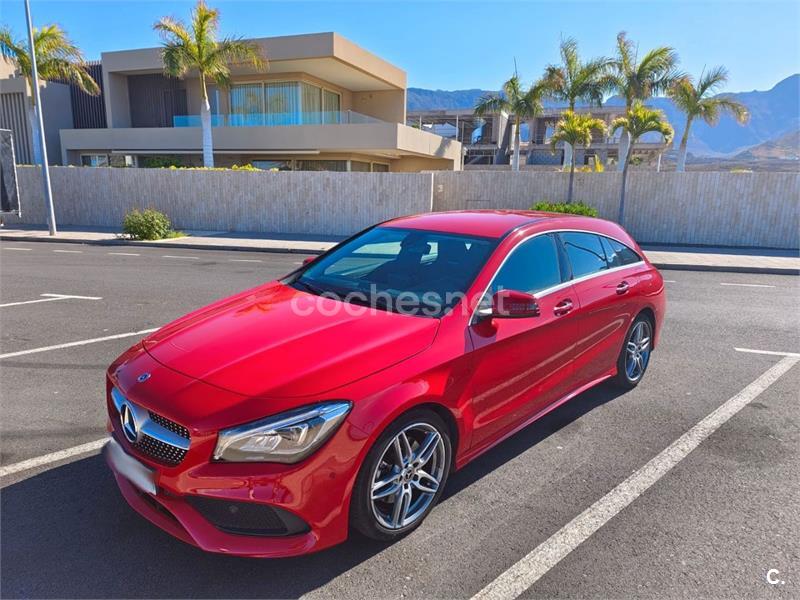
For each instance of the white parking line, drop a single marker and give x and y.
(69, 251)
(124, 253)
(78, 343)
(46, 459)
(549, 553)
(251, 260)
(183, 257)
(768, 352)
(17, 249)
(51, 298)
(758, 285)
(669, 281)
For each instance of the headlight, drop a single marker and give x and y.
(285, 438)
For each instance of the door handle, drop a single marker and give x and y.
(563, 307)
(623, 288)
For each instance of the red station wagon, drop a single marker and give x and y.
(340, 398)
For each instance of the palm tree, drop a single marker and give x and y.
(638, 120)
(574, 80)
(197, 49)
(697, 101)
(57, 58)
(575, 130)
(636, 79)
(522, 104)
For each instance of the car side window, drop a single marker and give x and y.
(625, 254)
(585, 252)
(531, 267)
(618, 254)
(612, 258)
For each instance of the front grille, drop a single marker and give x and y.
(156, 436)
(160, 451)
(171, 425)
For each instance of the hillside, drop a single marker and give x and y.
(786, 146)
(774, 113)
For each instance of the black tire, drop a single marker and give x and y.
(363, 515)
(624, 378)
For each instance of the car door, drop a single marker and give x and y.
(520, 365)
(603, 288)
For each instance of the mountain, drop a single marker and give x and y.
(773, 113)
(420, 99)
(786, 146)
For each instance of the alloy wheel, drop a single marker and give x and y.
(408, 476)
(637, 350)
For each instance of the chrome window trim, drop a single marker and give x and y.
(562, 285)
(146, 425)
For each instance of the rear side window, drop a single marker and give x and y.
(531, 267)
(618, 254)
(585, 252)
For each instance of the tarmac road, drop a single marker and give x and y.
(718, 523)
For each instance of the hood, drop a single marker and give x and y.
(275, 341)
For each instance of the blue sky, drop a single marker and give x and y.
(457, 45)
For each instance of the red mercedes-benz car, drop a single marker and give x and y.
(341, 397)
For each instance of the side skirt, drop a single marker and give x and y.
(474, 453)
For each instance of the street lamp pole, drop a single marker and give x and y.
(48, 192)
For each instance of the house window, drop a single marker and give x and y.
(331, 105)
(359, 166)
(94, 160)
(380, 168)
(247, 105)
(312, 104)
(321, 165)
(282, 103)
(122, 160)
(272, 165)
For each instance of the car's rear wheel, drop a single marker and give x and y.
(402, 477)
(635, 355)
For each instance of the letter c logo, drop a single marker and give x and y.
(773, 580)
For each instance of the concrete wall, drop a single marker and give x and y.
(708, 208)
(727, 209)
(300, 202)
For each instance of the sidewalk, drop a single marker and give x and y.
(732, 260)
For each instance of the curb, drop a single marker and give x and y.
(726, 269)
(283, 250)
(180, 245)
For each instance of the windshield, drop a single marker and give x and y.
(410, 271)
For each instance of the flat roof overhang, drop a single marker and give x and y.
(387, 139)
(327, 56)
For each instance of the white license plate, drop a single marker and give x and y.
(131, 469)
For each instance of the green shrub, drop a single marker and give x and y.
(575, 208)
(148, 224)
(161, 162)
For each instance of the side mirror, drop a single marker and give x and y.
(308, 260)
(511, 304)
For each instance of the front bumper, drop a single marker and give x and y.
(176, 516)
(314, 492)
(320, 516)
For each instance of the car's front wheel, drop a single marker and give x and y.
(402, 477)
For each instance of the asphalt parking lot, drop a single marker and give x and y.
(719, 522)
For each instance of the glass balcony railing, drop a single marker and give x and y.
(343, 117)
